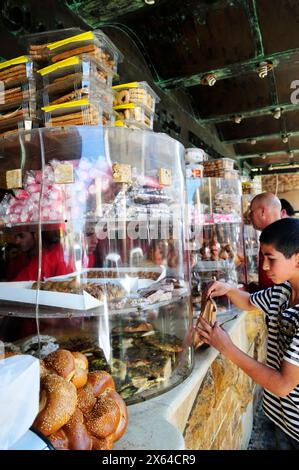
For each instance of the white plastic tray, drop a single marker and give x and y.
(22, 292)
(129, 283)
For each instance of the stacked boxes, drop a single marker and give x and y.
(134, 104)
(17, 95)
(37, 43)
(75, 86)
(220, 168)
(77, 91)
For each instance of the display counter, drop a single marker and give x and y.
(212, 408)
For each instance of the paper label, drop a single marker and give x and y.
(165, 176)
(64, 173)
(11, 179)
(121, 173)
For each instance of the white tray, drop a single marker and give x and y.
(129, 283)
(22, 292)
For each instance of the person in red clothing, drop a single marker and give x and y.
(24, 267)
(265, 208)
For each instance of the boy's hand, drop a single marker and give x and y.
(216, 289)
(214, 335)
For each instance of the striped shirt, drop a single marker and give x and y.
(283, 345)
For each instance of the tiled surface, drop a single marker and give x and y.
(262, 437)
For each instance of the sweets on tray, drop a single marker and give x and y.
(101, 292)
(116, 274)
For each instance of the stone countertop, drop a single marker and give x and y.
(159, 422)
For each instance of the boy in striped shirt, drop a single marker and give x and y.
(280, 375)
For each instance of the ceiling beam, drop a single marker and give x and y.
(248, 114)
(232, 70)
(97, 13)
(251, 11)
(260, 138)
(276, 170)
(260, 155)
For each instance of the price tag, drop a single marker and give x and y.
(64, 173)
(11, 179)
(165, 176)
(121, 173)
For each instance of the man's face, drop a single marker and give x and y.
(257, 216)
(25, 241)
(278, 268)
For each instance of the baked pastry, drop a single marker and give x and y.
(58, 401)
(91, 417)
(208, 312)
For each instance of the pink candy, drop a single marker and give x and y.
(33, 188)
(21, 194)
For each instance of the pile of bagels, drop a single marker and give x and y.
(79, 410)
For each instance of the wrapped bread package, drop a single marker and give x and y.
(139, 93)
(208, 312)
(74, 79)
(76, 113)
(17, 94)
(94, 43)
(134, 116)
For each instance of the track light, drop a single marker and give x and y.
(150, 2)
(263, 68)
(238, 118)
(251, 141)
(277, 113)
(285, 138)
(209, 79)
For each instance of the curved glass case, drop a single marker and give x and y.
(93, 252)
(216, 235)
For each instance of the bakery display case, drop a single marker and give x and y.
(93, 255)
(215, 235)
(251, 235)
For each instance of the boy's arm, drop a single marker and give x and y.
(240, 299)
(280, 382)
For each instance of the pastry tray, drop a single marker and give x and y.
(22, 292)
(126, 277)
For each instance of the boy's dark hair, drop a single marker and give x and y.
(283, 235)
(287, 206)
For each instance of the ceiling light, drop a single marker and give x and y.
(238, 118)
(285, 138)
(251, 141)
(150, 2)
(263, 68)
(263, 156)
(209, 79)
(277, 113)
(291, 155)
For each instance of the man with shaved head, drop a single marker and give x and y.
(265, 208)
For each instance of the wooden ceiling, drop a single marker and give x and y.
(185, 41)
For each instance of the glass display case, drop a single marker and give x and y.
(215, 235)
(94, 257)
(252, 247)
(251, 235)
